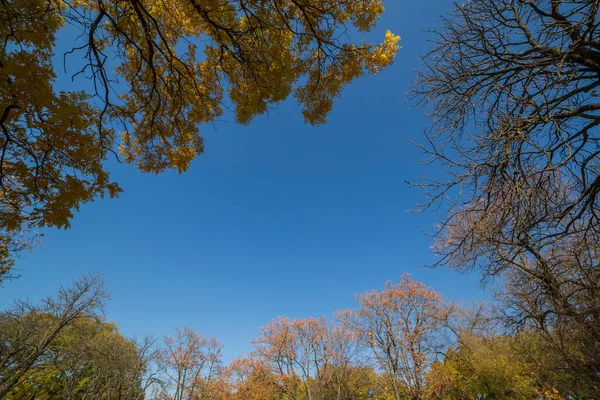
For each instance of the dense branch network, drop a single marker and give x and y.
(512, 89)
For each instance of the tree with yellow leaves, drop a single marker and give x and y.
(158, 69)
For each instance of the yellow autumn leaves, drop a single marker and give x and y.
(258, 53)
(51, 153)
(157, 70)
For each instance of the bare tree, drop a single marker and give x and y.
(511, 87)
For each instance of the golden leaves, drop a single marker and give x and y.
(176, 61)
(51, 155)
(258, 52)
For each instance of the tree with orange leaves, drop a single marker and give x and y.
(343, 349)
(400, 325)
(190, 366)
(297, 351)
(312, 358)
(252, 379)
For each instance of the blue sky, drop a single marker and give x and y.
(276, 218)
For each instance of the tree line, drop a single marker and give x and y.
(404, 342)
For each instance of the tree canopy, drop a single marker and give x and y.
(156, 70)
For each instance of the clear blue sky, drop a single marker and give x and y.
(277, 218)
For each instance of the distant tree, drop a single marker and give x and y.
(90, 359)
(400, 326)
(359, 383)
(155, 71)
(189, 367)
(485, 368)
(312, 359)
(29, 333)
(342, 374)
(297, 351)
(252, 379)
(503, 367)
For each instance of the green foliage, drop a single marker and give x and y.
(490, 367)
(90, 359)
